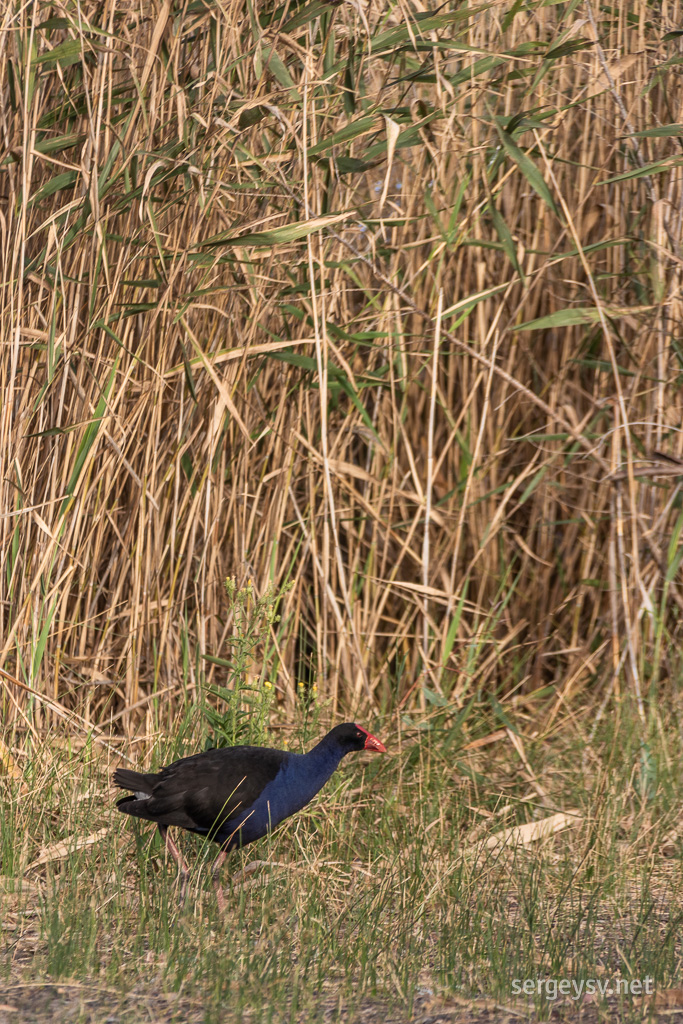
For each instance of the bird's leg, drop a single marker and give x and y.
(172, 848)
(215, 878)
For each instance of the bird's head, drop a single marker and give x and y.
(350, 736)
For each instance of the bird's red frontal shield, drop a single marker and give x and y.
(372, 743)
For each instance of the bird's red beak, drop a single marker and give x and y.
(372, 743)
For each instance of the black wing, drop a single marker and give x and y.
(207, 789)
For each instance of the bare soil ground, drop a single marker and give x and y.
(92, 1003)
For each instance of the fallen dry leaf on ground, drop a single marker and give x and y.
(667, 999)
(532, 832)
(56, 851)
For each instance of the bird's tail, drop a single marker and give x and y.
(138, 782)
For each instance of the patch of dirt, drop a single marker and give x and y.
(83, 1003)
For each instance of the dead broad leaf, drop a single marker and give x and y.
(8, 763)
(532, 832)
(18, 886)
(606, 79)
(393, 132)
(483, 741)
(57, 851)
(666, 999)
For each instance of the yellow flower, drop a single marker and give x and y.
(267, 685)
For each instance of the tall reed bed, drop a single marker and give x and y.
(374, 308)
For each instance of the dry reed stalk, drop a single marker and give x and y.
(227, 236)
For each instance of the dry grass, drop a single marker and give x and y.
(384, 900)
(269, 283)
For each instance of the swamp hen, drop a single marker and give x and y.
(235, 795)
